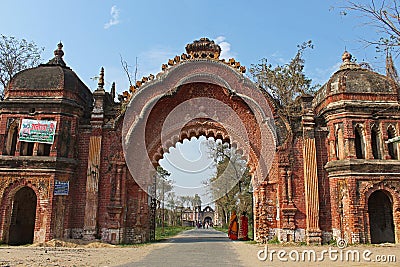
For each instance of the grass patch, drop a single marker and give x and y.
(124, 245)
(169, 231)
(274, 240)
(250, 233)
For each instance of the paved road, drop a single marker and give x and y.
(208, 247)
(198, 247)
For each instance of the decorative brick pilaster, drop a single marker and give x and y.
(116, 208)
(90, 229)
(313, 232)
(288, 208)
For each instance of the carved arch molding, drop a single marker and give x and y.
(199, 97)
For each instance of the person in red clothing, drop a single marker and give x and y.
(244, 226)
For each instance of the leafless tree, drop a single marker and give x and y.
(383, 15)
(129, 74)
(15, 56)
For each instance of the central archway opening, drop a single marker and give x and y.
(207, 179)
(381, 224)
(198, 97)
(208, 221)
(23, 217)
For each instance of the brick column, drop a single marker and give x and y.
(313, 232)
(116, 207)
(92, 188)
(256, 231)
(288, 208)
(93, 170)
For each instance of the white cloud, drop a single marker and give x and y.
(225, 48)
(220, 39)
(277, 58)
(114, 17)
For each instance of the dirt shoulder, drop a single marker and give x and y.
(61, 253)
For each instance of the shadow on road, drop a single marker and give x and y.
(199, 236)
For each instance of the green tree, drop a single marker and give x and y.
(15, 56)
(231, 185)
(172, 202)
(196, 201)
(285, 82)
(173, 207)
(186, 201)
(163, 186)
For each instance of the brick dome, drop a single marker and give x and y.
(53, 76)
(45, 77)
(353, 79)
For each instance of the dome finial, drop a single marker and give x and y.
(346, 57)
(58, 54)
(101, 78)
(203, 48)
(347, 62)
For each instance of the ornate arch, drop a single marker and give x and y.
(220, 82)
(11, 139)
(6, 202)
(392, 190)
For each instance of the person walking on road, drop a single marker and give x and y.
(244, 227)
(233, 226)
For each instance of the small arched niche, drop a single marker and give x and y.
(376, 142)
(359, 142)
(392, 147)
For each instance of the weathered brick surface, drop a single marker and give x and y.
(122, 213)
(346, 101)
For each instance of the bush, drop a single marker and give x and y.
(274, 240)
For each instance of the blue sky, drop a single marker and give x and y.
(96, 33)
(154, 31)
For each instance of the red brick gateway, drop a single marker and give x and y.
(331, 175)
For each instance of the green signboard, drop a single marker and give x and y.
(37, 131)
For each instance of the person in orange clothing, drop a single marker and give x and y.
(233, 226)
